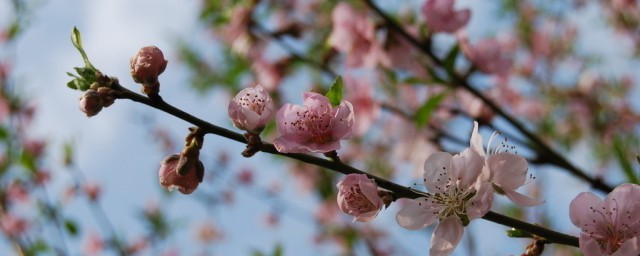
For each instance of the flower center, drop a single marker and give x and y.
(252, 101)
(615, 230)
(451, 202)
(316, 126)
(357, 201)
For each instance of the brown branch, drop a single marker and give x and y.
(398, 190)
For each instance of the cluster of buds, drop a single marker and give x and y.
(184, 171)
(146, 66)
(98, 96)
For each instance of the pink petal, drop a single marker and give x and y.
(461, 18)
(630, 247)
(370, 190)
(521, 199)
(252, 119)
(436, 165)
(480, 204)
(316, 101)
(508, 170)
(344, 117)
(579, 209)
(625, 197)
(466, 167)
(416, 214)
(365, 217)
(589, 246)
(476, 140)
(446, 237)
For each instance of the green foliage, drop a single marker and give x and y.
(518, 233)
(623, 160)
(450, 59)
(278, 250)
(87, 74)
(335, 92)
(71, 227)
(424, 113)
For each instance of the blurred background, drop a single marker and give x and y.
(72, 185)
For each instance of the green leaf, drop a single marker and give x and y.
(625, 164)
(423, 114)
(435, 77)
(518, 233)
(71, 227)
(450, 60)
(335, 92)
(76, 39)
(278, 251)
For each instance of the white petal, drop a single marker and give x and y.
(589, 246)
(435, 171)
(416, 215)
(521, 199)
(580, 212)
(508, 170)
(476, 140)
(630, 247)
(446, 236)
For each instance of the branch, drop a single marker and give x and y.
(399, 191)
(542, 148)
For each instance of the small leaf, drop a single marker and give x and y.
(335, 92)
(518, 233)
(76, 39)
(435, 77)
(72, 84)
(278, 251)
(450, 59)
(71, 227)
(625, 164)
(423, 114)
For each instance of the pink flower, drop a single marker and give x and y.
(355, 35)
(13, 226)
(488, 55)
(506, 171)
(251, 109)
(92, 190)
(91, 103)
(358, 197)
(360, 94)
(611, 227)
(315, 127)
(170, 179)
(457, 196)
(441, 17)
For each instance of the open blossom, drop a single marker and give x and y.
(489, 55)
(441, 17)
(314, 127)
(609, 227)
(358, 197)
(251, 109)
(506, 171)
(354, 34)
(170, 179)
(12, 225)
(457, 196)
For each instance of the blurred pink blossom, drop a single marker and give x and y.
(92, 190)
(354, 34)
(440, 16)
(245, 176)
(490, 55)
(360, 94)
(94, 244)
(251, 109)
(12, 225)
(609, 227)
(314, 127)
(16, 192)
(358, 197)
(269, 74)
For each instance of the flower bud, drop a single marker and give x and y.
(251, 109)
(91, 103)
(358, 197)
(146, 66)
(186, 184)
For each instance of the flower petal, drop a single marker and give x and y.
(580, 209)
(446, 236)
(466, 167)
(589, 246)
(630, 247)
(435, 168)
(476, 140)
(416, 214)
(521, 199)
(509, 171)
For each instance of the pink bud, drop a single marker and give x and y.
(186, 184)
(251, 109)
(358, 197)
(91, 103)
(147, 65)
